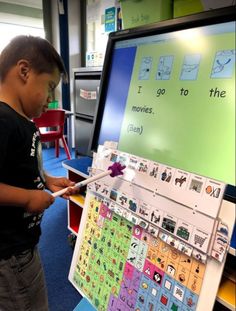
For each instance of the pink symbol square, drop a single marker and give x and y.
(103, 210)
(128, 271)
(137, 232)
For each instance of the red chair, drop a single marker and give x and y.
(53, 120)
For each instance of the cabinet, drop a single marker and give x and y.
(85, 91)
(77, 170)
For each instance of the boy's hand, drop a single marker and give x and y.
(58, 183)
(38, 201)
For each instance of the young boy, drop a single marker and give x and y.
(30, 70)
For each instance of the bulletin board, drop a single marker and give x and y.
(152, 239)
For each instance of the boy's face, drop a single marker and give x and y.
(37, 92)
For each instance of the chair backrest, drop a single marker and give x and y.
(51, 118)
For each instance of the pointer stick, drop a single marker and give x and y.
(113, 170)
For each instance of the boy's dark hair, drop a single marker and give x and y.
(41, 55)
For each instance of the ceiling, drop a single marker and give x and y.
(30, 3)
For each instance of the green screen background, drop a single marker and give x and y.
(194, 132)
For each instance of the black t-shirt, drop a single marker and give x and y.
(20, 166)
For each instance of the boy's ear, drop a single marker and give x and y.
(23, 69)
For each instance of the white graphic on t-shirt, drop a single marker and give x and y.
(33, 146)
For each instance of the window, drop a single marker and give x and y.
(19, 19)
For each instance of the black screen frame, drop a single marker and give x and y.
(216, 16)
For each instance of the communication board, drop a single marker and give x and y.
(141, 249)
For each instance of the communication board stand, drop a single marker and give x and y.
(148, 241)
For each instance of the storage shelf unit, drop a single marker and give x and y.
(226, 293)
(78, 199)
(77, 170)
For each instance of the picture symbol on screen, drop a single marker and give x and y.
(220, 66)
(180, 180)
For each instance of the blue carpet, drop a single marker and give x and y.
(56, 253)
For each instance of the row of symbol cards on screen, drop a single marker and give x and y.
(197, 192)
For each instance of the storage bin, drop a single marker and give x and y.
(140, 12)
(187, 7)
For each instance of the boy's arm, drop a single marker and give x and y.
(31, 200)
